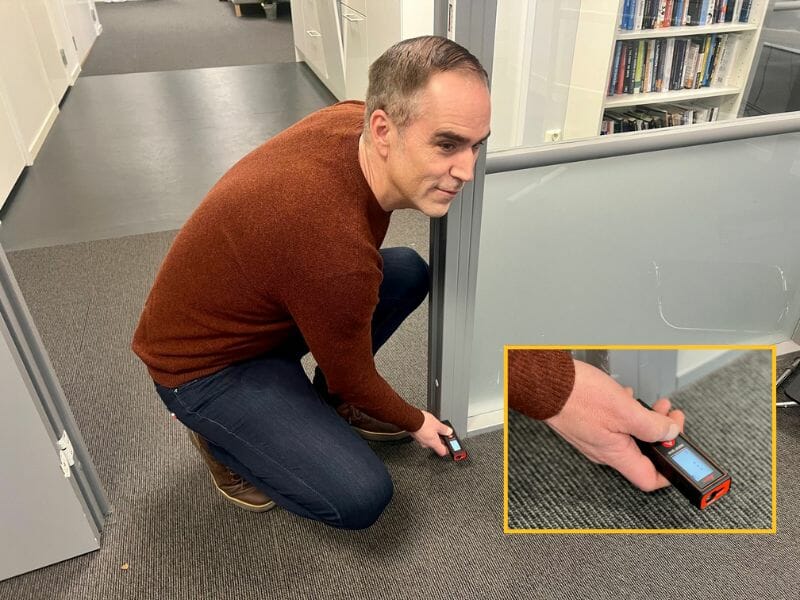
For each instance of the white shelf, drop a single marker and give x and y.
(671, 96)
(663, 32)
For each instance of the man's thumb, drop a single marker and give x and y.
(649, 426)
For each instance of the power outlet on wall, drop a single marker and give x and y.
(552, 135)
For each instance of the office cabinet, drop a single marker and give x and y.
(339, 39)
(59, 58)
(24, 76)
(42, 44)
(84, 25)
(317, 41)
(356, 59)
(12, 156)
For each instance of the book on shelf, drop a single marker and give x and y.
(612, 83)
(663, 64)
(744, 15)
(637, 73)
(657, 116)
(654, 14)
(691, 64)
(623, 57)
(727, 59)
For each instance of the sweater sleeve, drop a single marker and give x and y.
(334, 314)
(539, 381)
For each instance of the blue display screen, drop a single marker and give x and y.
(690, 462)
(455, 446)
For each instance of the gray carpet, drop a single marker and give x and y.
(440, 537)
(165, 35)
(729, 413)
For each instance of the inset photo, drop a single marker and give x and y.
(639, 439)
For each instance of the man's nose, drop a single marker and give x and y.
(463, 168)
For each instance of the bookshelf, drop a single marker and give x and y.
(602, 42)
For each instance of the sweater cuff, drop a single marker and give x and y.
(414, 422)
(539, 381)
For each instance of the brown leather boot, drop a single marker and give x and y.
(369, 428)
(233, 487)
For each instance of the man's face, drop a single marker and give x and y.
(431, 159)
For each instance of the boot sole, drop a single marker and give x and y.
(400, 437)
(259, 508)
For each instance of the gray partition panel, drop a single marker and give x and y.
(694, 245)
(42, 520)
(50, 515)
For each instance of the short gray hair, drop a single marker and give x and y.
(400, 73)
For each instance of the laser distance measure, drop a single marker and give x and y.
(688, 468)
(454, 446)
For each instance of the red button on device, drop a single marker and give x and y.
(668, 443)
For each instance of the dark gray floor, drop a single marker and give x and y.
(163, 35)
(136, 153)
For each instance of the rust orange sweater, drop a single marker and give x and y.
(286, 242)
(539, 381)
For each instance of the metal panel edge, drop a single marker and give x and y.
(454, 249)
(626, 144)
(53, 404)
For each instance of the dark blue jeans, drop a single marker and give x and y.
(265, 420)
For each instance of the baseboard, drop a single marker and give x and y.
(704, 369)
(38, 141)
(485, 422)
(73, 77)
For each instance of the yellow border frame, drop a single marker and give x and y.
(773, 530)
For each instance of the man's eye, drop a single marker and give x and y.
(447, 146)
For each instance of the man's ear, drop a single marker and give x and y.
(382, 132)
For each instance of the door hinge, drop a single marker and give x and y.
(65, 454)
(74, 43)
(63, 56)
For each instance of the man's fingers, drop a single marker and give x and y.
(662, 406)
(440, 449)
(678, 416)
(639, 470)
(651, 426)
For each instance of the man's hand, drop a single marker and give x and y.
(427, 436)
(599, 418)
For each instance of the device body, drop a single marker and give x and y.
(688, 468)
(454, 446)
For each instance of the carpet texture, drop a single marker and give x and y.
(440, 537)
(166, 35)
(728, 413)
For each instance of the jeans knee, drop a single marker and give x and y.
(364, 508)
(417, 274)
